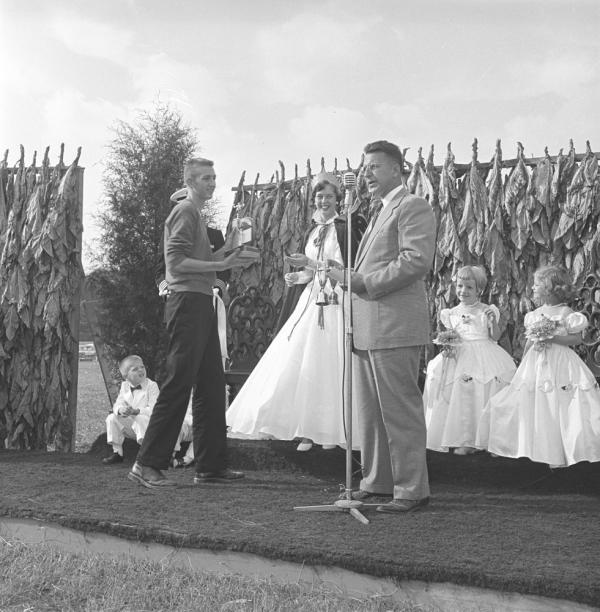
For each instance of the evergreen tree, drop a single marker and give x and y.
(144, 166)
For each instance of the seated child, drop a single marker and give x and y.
(132, 409)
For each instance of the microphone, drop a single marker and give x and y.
(349, 180)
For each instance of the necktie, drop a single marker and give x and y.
(374, 211)
(136, 388)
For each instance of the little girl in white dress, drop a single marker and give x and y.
(462, 378)
(551, 410)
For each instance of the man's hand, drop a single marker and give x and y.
(126, 411)
(339, 275)
(232, 241)
(239, 259)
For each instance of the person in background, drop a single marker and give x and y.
(390, 321)
(132, 408)
(462, 378)
(194, 354)
(296, 389)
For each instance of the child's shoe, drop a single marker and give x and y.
(114, 458)
(305, 445)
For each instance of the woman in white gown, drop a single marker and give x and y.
(551, 410)
(296, 389)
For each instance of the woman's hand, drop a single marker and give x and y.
(298, 260)
(291, 278)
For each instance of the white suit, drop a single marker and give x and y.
(119, 427)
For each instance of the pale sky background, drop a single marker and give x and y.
(268, 80)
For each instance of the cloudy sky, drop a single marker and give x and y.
(269, 80)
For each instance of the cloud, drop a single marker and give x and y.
(185, 84)
(306, 52)
(402, 115)
(93, 38)
(330, 131)
(561, 75)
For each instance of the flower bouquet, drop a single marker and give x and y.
(541, 330)
(448, 340)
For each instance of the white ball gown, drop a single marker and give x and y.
(551, 410)
(457, 388)
(296, 389)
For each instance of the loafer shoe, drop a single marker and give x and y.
(362, 495)
(220, 476)
(402, 506)
(304, 446)
(149, 477)
(329, 446)
(114, 458)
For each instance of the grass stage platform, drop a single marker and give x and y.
(493, 523)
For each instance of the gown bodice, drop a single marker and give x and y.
(470, 322)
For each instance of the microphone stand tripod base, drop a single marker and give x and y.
(341, 505)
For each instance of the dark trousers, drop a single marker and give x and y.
(193, 361)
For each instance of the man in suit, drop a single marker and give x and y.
(390, 319)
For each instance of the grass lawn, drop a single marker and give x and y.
(36, 578)
(92, 405)
(496, 523)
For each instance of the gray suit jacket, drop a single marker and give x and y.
(394, 258)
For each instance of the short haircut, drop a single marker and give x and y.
(475, 273)
(557, 282)
(389, 148)
(128, 362)
(191, 165)
(324, 183)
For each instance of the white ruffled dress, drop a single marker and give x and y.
(296, 389)
(457, 388)
(551, 410)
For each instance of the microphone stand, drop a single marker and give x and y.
(347, 504)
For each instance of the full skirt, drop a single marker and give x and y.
(549, 413)
(296, 389)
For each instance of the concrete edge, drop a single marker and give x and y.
(445, 597)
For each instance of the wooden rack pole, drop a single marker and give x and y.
(460, 169)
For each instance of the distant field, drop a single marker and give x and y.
(92, 405)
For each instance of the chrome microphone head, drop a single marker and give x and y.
(349, 180)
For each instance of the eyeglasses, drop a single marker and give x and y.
(370, 168)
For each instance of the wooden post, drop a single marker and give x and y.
(69, 444)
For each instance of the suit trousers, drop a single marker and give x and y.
(120, 427)
(391, 422)
(193, 361)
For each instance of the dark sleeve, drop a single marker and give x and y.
(292, 294)
(217, 240)
(159, 270)
(359, 225)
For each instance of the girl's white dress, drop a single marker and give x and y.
(457, 388)
(296, 389)
(551, 410)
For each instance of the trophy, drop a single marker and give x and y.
(322, 299)
(242, 233)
